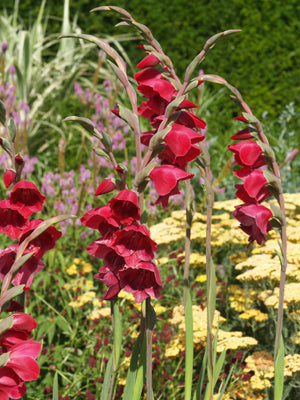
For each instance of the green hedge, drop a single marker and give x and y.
(263, 61)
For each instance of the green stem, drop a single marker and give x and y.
(148, 351)
(188, 227)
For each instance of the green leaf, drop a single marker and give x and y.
(87, 124)
(117, 335)
(189, 346)
(11, 293)
(132, 371)
(55, 387)
(4, 359)
(158, 138)
(2, 113)
(140, 375)
(198, 390)
(20, 261)
(6, 324)
(130, 118)
(279, 372)
(117, 10)
(107, 377)
(218, 366)
(12, 129)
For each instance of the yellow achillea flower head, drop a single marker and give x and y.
(240, 299)
(261, 362)
(291, 364)
(257, 315)
(83, 299)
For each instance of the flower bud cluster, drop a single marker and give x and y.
(125, 247)
(253, 217)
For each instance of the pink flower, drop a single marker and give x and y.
(141, 281)
(11, 386)
(254, 219)
(12, 223)
(26, 198)
(111, 280)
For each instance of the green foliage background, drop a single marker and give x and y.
(263, 61)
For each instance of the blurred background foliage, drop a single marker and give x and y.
(263, 61)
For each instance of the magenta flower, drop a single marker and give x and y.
(9, 177)
(254, 220)
(106, 186)
(104, 250)
(254, 189)
(111, 280)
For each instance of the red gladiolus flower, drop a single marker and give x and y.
(20, 331)
(12, 223)
(25, 273)
(42, 243)
(149, 61)
(11, 386)
(104, 250)
(26, 198)
(111, 280)
(141, 281)
(22, 358)
(254, 219)
(166, 179)
(248, 154)
(244, 134)
(106, 186)
(254, 188)
(190, 120)
(101, 218)
(125, 207)
(9, 177)
(134, 244)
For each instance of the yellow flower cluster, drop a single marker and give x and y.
(261, 362)
(240, 298)
(291, 364)
(226, 340)
(291, 297)
(257, 315)
(80, 283)
(79, 266)
(84, 298)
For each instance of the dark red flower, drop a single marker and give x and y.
(244, 134)
(254, 220)
(104, 250)
(101, 218)
(12, 223)
(26, 198)
(42, 243)
(24, 275)
(134, 244)
(125, 207)
(141, 281)
(151, 82)
(111, 280)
